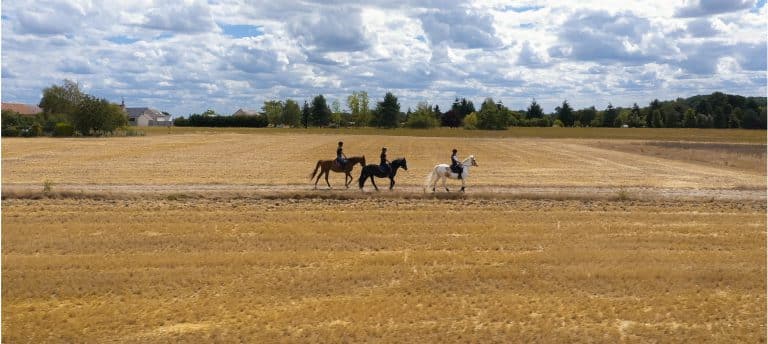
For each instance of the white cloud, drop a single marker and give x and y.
(176, 56)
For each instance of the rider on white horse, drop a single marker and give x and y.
(443, 172)
(456, 165)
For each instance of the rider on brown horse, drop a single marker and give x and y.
(341, 158)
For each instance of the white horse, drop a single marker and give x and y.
(443, 171)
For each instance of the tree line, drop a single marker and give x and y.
(717, 110)
(66, 111)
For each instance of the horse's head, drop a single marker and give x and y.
(362, 161)
(400, 162)
(472, 160)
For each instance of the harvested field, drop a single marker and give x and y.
(394, 270)
(744, 157)
(207, 235)
(248, 159)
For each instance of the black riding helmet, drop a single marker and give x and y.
(454, 150)
(341, 143)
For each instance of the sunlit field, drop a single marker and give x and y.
(275, 158)
(311, 270)
(206, 235)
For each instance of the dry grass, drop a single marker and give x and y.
(667, 134)
(271, 159)
(742, 157)
(392, 270)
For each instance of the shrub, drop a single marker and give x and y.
(63, 130)
(421, 121)
(558, 123)
(470, 122)
(10, 131)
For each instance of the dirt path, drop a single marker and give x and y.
(483, 190)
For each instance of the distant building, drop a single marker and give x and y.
(22, 109)
(245, 112)
(147, 117)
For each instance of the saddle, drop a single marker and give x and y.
(455, 168)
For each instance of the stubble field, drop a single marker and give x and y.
(151, 239)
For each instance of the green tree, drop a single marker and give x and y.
(306, 114)
(734, 120)
(655, 105)
(586, 116)
(565, 114)
(273, 109)
(97, 116)
(358, 107)
(658, 120)
(62, 99)
(635, 119)
(470, 122)
(321, 114)
(388, 111)
(689, 119)
(609, 116)
(422, 118)
(491, 116)
(534, 110)
(291, 113)
(336, 115)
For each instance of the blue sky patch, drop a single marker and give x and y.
(242, 31)
(122, 40)
(521, 8)
(758, 6)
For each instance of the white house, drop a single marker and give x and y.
(245, 112)
(147, 117)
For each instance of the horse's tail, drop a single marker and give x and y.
(430, 178)
(316, 168)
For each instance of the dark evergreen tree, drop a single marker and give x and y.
(388, 111)
(565, 114)
(306, 114)
(534, 110)
(321, 113)
(609, 116)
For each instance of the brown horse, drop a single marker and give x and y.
(326, 166)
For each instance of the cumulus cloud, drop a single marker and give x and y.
(50, 17)
(461, 27)
(333, 29)
(192, 17)
(702, 27)
(700, 8)
(589, 35)
(530, 57)
(186, 57)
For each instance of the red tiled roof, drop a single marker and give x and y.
(22, 109)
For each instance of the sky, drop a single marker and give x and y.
(186, 57)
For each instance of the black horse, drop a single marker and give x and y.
(370, 171)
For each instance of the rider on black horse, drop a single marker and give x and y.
(384, 164)
(341, 158)
(456, 165)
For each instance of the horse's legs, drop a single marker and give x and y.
(391, 183)
(445, 187)
(351, 179)
(326, 178)
(318, 178)
(435, 184)
(462, 184)
(373, 181)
